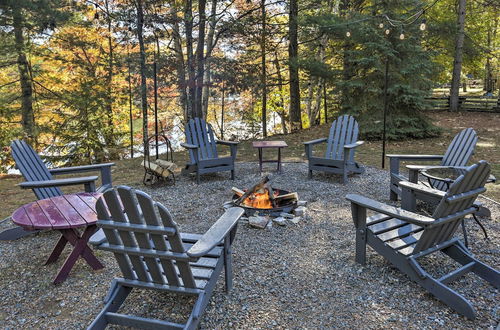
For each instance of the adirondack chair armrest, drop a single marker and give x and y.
(83, 168)
(416, 157)
(422, 189)
(189, 146)
(219, 230)
(227, 143)
(353, 145)
(312, 142)
(105, 168)
(392, 211)
(87, 180)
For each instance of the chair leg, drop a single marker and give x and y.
(361, 246)
(228, 267)
(232, 174)
(345, 178)
(117, 296)
(197, 177)
(310, 175)
(393, 196)
(448, 296)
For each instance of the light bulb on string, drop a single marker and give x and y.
(381, 25)
(387, 31)
(348, 34)
(423, 25)
(402, 36)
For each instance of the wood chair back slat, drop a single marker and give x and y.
(113, 238)
(135, 216)
(33, 168)
(200, 133)
(344, 130)
(137, 208)
(461, 195)
(458, 153)
(152, 219)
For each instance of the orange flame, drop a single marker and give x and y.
(259, 200)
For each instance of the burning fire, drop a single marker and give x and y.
(260, 199)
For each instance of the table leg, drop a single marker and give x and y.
(260, 159)
(58, 248)
(279, 160)
(80, 248)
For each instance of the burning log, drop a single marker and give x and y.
(250, 191)
(237, 191)
(291, 197)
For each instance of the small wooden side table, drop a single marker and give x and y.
(64, 213)
(270, 144)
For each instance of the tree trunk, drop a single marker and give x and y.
(188, 25)
(180, 67)
(200, 59)
(208, 57)
(488, 81)
(281, 106)
(144, 95)
(457, 63)
(27, 117)
(293, 50)
(263, 79)
(109, 84)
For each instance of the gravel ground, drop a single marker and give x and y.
(297, 276)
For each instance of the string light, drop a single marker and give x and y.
(348, 34)
(422, 25)
(402, 36)
(387, 31)
(381, 25)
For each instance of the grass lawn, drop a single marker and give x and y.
(488, 148)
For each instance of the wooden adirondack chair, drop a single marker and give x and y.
(202, 148)
(40, 179)
(458, 154)
(152, 254)
(402, 237)
(339, 156)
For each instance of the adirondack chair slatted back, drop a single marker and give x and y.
(461, 195)
(164, 260)
(458, 153)
(199, 133)
(344, 131)
(32, 168)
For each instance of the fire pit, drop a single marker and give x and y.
(262, 199)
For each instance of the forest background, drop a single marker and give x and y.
(82, 80)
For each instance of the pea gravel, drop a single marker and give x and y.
(295, 276)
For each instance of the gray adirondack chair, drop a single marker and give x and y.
(153, 254)
(458, 153)
(40, 179)
(402, 237)
(202, 147)
(341, 146)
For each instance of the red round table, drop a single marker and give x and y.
(64, 213)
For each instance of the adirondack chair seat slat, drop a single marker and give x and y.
(386, 224)
(202, 149)
(153, 260)
(341, 146)
(406, 236)
(399, 233)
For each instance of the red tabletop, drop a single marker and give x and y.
(61, 212)
(269, 144)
